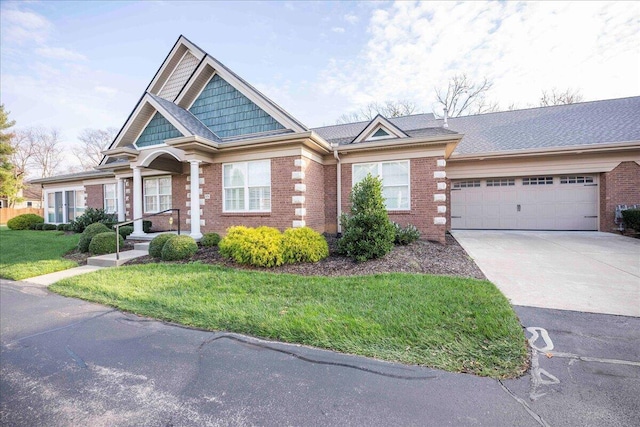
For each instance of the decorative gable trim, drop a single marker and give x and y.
(378, 125)
(172, 60)
(208, 68)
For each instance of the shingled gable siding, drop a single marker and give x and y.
(282, 212)
(227, 112)
(621, 186)
(157, 130)
(423, 207)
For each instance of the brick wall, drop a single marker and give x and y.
(314, 180)
(95, 196)
(621, 186)
(423, 208)
(331, 199)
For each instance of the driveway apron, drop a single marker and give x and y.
(582, 271)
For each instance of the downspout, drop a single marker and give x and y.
(334, 146)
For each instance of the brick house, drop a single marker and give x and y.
(204, 141)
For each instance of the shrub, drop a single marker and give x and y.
(24, 221)
(146, 226)
(180, 247)
(61, 227)
(125, 230)
(68, 227)
(104, 243)
(210, 239)
(156, 245)
(89, 232)
(38, 226)
(91, 216)
(406, 235)
(631, 218)
(49, 227)
(260, 246)
(303, 245)
(367, 231)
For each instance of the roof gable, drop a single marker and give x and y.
(380, 128)
(157, 130)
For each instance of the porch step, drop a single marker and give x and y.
(141, 246)
(149, 236)
(109, 260)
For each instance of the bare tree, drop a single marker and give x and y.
(386, 109)
(92, 142)
(37, 151)
(556, 97)
(464, 97)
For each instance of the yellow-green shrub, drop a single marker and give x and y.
(260, 246)
(303, 245)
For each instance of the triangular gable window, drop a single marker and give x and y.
(379, 128)
(380, 133)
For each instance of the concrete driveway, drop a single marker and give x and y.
(581, 271)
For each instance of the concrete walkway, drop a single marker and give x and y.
(48, 279)
(582, 271)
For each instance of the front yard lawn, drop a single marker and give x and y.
(451, 323)
(30, 253)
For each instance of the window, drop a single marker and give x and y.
(395, 181)
(381, 133)
(466, 184)
(110, 198)
(538, 180)
(501, 182)
(29, 204)
(157, 194)
(64, 206)
(576, 180)
(247, 186)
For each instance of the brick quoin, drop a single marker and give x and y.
(621, 186)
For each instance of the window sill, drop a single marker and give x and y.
(245, 214)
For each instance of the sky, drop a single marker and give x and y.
(84, 64)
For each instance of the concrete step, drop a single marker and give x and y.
(141, 246)
(109, 260)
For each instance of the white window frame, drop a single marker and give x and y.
(245, 167)
(78, 210)
(379, 166)
(157, 194)
(114, 198)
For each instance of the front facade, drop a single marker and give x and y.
(204, 141)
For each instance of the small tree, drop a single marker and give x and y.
(367, 231)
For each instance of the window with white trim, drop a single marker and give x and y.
(157, 194)
(501, 182)
(395, 181)
(538, 180)
(467, 184)
(572, 179)
(110, 198)
(247, 186)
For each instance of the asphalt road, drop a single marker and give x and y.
(68, 362)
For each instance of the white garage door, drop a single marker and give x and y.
(567, 202)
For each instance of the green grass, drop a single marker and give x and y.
(29, 253)
(461, 325)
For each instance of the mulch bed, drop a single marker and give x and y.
(419, 257)
(81, 257)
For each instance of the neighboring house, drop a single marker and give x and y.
(201, 132)
(30, 197)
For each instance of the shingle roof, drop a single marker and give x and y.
(344, 134)
(72, 176)
(188, 120)
(586, 123)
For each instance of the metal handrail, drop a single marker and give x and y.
(117, 227)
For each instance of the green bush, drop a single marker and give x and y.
(156, 245)
(178, 248)
(68, 227)
(406, 235)
(631, 218)
(260, 246)
(89, 232)
(49, 227)
(125, 230)
(104, 243)
(24, 221)
(210, 239)
(38, 226)
(367, 231)
(91, 216)
(303, 245)
(61, 227)
(146, 226)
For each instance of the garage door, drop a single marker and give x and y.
(567, 202)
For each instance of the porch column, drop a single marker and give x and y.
(195, 199)
(120, 198)
(137, 202)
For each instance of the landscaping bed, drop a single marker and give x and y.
(421, 256)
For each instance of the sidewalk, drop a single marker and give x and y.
(48, 279)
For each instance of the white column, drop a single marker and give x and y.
(195, 199)
(120, 197)
(137, 202)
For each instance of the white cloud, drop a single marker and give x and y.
(60, 53)
(523, 47)
(337, 30)
(106, 90)
(20, 26)
(351, 19)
